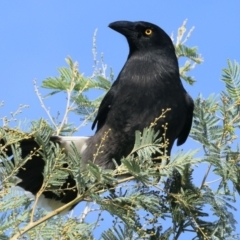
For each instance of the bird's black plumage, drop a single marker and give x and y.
(148, 83)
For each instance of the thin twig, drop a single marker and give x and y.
(45, 218)
(205, 176)
(42, 103)
(214, 181)
(52, 214)
(64, 120)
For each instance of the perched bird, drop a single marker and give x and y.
(148, 83)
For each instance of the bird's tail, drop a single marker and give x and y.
(31, 167)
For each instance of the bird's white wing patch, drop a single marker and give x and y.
(79, 142)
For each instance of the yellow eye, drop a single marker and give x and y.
(148, 32)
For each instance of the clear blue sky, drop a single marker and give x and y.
(36, 36)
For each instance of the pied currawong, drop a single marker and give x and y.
(148, 82)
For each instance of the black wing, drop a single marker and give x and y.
(105, 107)
(188, 124)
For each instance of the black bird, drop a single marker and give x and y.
(148, 83)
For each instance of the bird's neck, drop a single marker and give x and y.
(155, 63)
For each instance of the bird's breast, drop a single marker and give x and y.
(146, 87)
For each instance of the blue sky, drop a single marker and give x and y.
(36, 37)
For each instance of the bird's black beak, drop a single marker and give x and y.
(123, 27)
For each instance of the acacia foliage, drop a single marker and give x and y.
(152, 199)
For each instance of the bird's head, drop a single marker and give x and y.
(142, 35)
